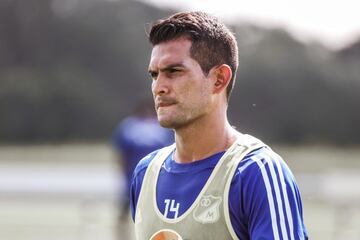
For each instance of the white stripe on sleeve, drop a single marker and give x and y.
(277, 160)
(269, 196)
(268, 160)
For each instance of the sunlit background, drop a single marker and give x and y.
(70, 70)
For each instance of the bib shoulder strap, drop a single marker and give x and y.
(161, 157)
(249, 141)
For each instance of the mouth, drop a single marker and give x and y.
(163, 104)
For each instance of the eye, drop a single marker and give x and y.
(173, 70)
(153, 75)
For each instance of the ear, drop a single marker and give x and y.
(221, 77)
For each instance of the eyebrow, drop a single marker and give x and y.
(167, 68)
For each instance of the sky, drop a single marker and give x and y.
(335, 23)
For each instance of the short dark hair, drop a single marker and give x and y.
(213, 43)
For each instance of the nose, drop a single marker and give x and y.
(160, 85)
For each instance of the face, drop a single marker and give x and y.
(182, 92)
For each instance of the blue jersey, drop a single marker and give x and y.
(264, 201)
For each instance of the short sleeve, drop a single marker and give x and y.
(137, 179)
(272, 203)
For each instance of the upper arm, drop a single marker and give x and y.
(135, 188)
(137, 179)
(272, 200)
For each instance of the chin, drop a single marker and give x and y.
(173, 124)
(166, 124)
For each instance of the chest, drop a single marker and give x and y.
(176, 192)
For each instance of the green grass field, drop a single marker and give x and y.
(70, 192)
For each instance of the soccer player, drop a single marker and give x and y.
(214, 183)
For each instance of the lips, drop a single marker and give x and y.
(164, 103)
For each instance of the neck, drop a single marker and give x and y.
(203, 138)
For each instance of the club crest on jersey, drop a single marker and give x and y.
(208, 209)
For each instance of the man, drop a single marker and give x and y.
(214, 182)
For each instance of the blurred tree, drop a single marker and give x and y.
(71, 69)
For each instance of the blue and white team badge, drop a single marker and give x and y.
(166, 234)
(208, 209)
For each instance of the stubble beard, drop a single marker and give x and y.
(178, 121)
(172, 122)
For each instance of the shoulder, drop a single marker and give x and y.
(264, 167)
(144, 162)
(263, 161)
(269, 197)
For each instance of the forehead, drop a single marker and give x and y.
(169, 52)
